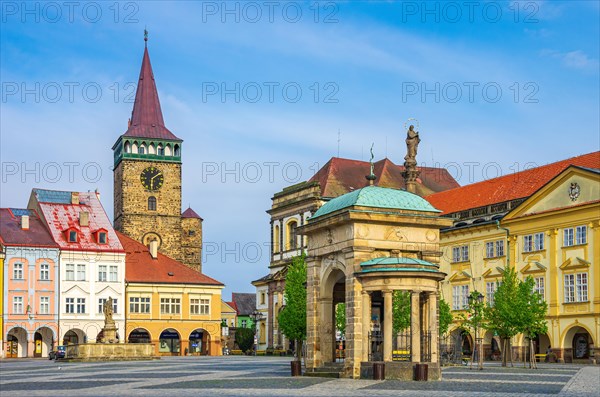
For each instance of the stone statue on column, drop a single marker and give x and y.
(411, 173)
(109, 332)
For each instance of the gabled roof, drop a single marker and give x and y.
(146, 117)
(508, 187)
(59, 215)
(244, 303)
(190, 213)
(339, 176)
(140, 267)
(12, 234)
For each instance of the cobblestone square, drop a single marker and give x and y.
(269, 376)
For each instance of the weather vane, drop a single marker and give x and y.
(371, 177)
(145, 35)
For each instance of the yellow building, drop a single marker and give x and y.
(229, 319)
(2, 303)
(543, 222)
(169, 304)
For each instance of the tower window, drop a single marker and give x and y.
(127, 147)
(177, 151)
(161, 150)
(142, 149)
(168, 150)
(151, 203)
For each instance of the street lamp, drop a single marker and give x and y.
(476, 302)
(256, 316)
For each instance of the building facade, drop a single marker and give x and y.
(519, 220)
(30, 268)
(92, 262)
(170, 305)
(147, 180)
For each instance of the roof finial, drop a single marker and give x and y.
(145, 37)
(371, 177)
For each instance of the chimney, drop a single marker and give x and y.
(74, 197)
(154, 249)
(84, 218)
(25, 222)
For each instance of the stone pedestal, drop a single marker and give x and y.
(110, 352)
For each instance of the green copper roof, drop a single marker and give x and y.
(398, 261)
(377, 197)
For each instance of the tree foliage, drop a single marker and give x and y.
(445, 317)
(400, 310)
(244, 337)
(292, 319)
(340, 318)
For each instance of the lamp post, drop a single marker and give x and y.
(256, 316)
(476, 303)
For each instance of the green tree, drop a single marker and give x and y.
(244, 337)
(340, 318)
(504, 315)
(532, 315)
(445, 317)
(292, 319)
(400, 311)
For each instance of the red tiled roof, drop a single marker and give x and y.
(60, 217)
(140, 267)
(190, 213)
(146, 117)
(340, 176)
(12, 234)
(508, 187)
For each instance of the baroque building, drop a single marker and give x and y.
(147, 180)
(293, 206)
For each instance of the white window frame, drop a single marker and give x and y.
(568, 237)
(102, 273)
(113, 273)
(44, 271)
(489, 249)
(81, 272)
(170, 305)
(44, 305)
(499, 248)
(538, 241)
(17, 305)
(139, 304)
(70, 305)
(18, 271)
(539, 286)
(80, 306)
(70, 272)
(465, 296)
(490, 290)
(576, 287)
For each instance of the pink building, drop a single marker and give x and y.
(30, 307)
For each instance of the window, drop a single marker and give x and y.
(572, 236)
(142, 149)
(18, 305)
(262, 298)
(291, 235)
(102, 238)
(276, 247)
(70, 272)
(576, 287)
(80, 307)
(102, 301)
(460, 254)
(170, 305)
(72, 236)
(139, 305)
(199, 306)
(490, 289)
(539, 286)
(581, 235)
(44, 271)
(102, 273)
(70, 305)
(460, 297)
(113, 273)
(494, 249)
(151, 203)
(18, 271)
(80, 272)
(44, 305)
(161, 150)
(533, 242)
(244, 323)
(177, 151)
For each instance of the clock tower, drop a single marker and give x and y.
(147, 180)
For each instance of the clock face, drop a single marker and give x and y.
(152, 178)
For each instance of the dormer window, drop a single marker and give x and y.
(72, 236)
(101, 236)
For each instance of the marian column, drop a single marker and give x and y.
(411, 173)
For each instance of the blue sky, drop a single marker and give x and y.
(259, 91)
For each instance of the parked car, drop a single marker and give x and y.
(58, 352)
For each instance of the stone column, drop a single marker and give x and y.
(415, 327)
(387, 325)
(433, 325)
(366, 324)
(313, 348)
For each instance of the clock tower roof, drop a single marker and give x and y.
(146, 118)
